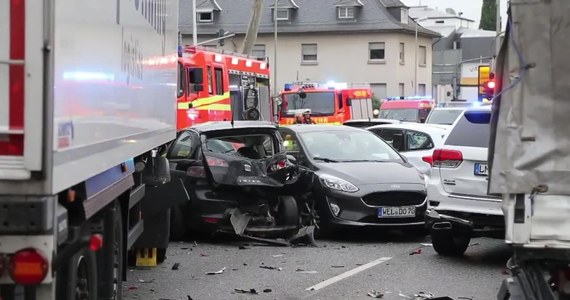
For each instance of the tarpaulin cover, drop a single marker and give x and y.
(530, 136)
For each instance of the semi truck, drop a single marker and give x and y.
(87, 107)
(529, 151)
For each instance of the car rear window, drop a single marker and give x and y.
(471, 130)
(443, 116)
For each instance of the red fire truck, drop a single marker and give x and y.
(331, 103)
(213, 85)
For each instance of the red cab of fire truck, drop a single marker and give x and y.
(409, 109)
(213, 85)
(329, 103)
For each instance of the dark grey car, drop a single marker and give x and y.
(360, 180)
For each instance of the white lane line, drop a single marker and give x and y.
(347, 274)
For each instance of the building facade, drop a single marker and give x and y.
(369, 41)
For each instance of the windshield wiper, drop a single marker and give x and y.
(365, 160)
(328, 160)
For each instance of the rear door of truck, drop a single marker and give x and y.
(21, 90)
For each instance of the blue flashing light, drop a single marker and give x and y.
(288, 86)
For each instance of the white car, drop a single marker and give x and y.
(415, 141)
(459, 207)
(444, 115)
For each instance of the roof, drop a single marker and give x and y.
(207, 5)
(430, 13)
(300, 128)
(226, 125)
(393, 3)
(311, 16)
(469, 33)
(414, 126)
(349, 3)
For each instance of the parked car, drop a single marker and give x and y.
(459, 207)
(359, 179)
(234, 178)
(414, 141)
(444, 115)
(363, 123)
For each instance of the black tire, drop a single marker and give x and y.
(448, 243)
(178, 230)
(77, 280)
(110, 259)
(288, 211)
(160, 255)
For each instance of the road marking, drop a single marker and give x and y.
(347, 274)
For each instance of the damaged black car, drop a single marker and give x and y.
(235, 177)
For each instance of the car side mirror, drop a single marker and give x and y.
(291, 158)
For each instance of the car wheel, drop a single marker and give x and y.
(160, 255)
(448, 243)
(288, 211)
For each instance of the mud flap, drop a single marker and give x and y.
(239, 221)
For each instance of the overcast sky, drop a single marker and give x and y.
(471, 8)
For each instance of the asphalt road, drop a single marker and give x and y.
(347, 267)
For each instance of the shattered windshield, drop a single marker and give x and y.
(347, 146)
(405, 114)
(254, 146)
(320, 103)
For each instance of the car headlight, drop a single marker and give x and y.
(338, 184)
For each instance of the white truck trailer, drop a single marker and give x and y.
(529, 153)
(87, 104)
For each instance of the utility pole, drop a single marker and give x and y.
(194, 24)
(274, 65)
(251, 34)
(497, 44)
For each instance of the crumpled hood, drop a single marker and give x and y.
(360, 173)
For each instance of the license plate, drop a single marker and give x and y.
(396, 212)
(481, 169)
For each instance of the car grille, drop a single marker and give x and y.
(394, 199)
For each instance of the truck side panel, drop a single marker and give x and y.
(115, 76)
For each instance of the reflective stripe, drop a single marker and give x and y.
(203, 101)
(226, 107)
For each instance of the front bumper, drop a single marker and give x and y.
(360, 209)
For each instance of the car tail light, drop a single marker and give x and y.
(444, 158)
(196, 172)
(279, 165)
(28, 267)
(211, 220)
(216, 162)
(428, 159)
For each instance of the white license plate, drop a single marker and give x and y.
(481, 169)
(396, 212)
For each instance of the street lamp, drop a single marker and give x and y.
(416, 63)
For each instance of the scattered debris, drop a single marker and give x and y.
(417, 251)
(464, 298)
(243, 247)
(204, 255)
(145, 281)
(343, 246)
(271, 268)
(184, 248)
(195, 244)
(338, 266)
(427, 245)
(245, 264)
(176, 266)
(235, 269)
(218, 272)
(189, 298)
(474, 244)
(305, 272)
(423, 295)
(152, 290)
(505, 272)
(278, 255)
(375, 294)
(267, 291)
(132, 288)
(251, 291)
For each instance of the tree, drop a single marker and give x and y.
(251, 34)
(488, 15)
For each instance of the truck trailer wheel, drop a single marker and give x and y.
(110, 257)
(178, 230)
(448, 243)
(78, 277)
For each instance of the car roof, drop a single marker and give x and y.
(371, 120)
(321, 127)
(227, 125)
(450, 108)
(415, 126)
